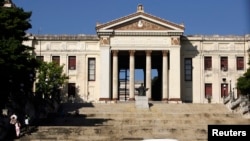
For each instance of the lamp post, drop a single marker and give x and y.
(230, 90)
(233, 94)
(224, 87)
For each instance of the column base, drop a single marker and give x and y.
(104, 99)
(174, 100)
(165, 100)
(131, 99)
(115, 100)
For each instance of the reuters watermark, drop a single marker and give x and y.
(221, 132)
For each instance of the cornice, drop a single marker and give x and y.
(216, 38)
(66, 37)
(141, 33)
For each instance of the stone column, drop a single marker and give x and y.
(115, 75)
(165, 75)
(105, 70)
(131, 75)
(174, 88)
(148, 74)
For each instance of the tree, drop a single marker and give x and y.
(243, 83)
(17, 63)
(50, 79)
(2, 2)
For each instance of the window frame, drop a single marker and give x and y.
(240, 63)
(188, 67)
(56, 59)
(207, 63)
(71, 89)
(91, 69)
(40, 58)
(224, 63)
(208, 90)
(72, 62)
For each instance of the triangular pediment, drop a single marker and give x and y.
(140, 21)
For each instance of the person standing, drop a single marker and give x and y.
(27, 122)
(13, 119)
(17, 127)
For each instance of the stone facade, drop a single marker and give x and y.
(143, 41)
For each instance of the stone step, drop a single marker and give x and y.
(156, 115)
(98, 121)
(156, 106)
(124, 122)
(130, 134)
(99, 133)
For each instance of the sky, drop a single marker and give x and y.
(200, 17)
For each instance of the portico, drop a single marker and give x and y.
(142, 41)
(144, 61)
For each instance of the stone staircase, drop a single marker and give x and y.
(124, 122)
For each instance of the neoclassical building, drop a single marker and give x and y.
(101, 68)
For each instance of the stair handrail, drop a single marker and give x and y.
(245, 109)
(226, 99)
(236, 103)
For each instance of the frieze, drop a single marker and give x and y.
(224, 46)
(239, 46)
(72, 46)
(142, 41)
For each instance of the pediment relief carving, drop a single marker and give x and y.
(140, 24)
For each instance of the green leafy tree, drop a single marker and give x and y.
(17, 61)
(243, 83)
(1, 2)
(50, 79)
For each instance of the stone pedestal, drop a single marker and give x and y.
(141, 102)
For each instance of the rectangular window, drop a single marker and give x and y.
(208, 90)
(71, 89)
(56, 59)
(40, 58)
(240, 63)
(224, 90)
(188, 69)
(224, 63)
(91, 69)
(72, 62)
(208, 63)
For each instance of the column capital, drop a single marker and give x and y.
(105, 40)
(148, 52)
(165, 52)
(115, 52)
(131, 52)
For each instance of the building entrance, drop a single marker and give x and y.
(139, 63)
